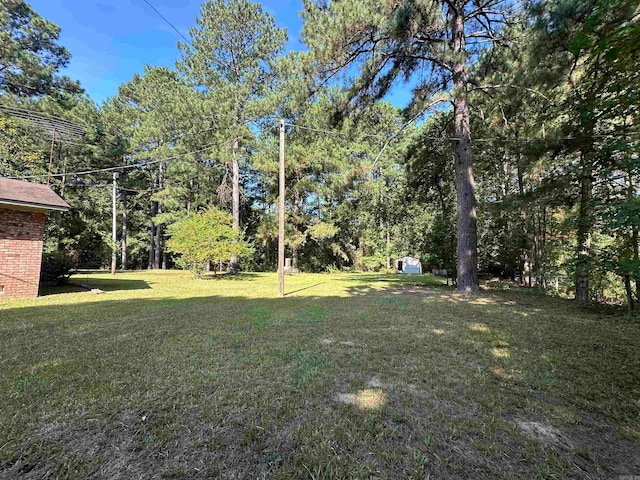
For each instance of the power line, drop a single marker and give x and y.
(64, 141)
(122, 167)
(332, 132)
(494, 139)
(169, 23)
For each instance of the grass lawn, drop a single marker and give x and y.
(348, 376)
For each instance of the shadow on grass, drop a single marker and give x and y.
(163, 349)
(228, 276)
(112, 284)
(396, 278)
(46, 290)
(304, 288)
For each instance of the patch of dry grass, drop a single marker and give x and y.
(348, 376)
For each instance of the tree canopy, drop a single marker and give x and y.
(30, 56)
(516, 156)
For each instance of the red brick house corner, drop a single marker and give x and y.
(23, 209)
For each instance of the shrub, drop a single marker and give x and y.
(56, 267)
(203, 237)
(374, 263)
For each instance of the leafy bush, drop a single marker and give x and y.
(203, 237)
(374, 263)
(56, 267)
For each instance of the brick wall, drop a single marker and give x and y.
(20, 252)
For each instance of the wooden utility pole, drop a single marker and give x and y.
(281, 215)
(114, 230)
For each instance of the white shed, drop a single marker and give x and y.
(408, 264)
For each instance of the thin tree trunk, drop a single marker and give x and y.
(544, 248)
(152, 231)
(627, 288)
(233, 264)
(123, 240)
(583, 236)
(151, 243)
(158, 244)
(467, 250)
(164, 257)
(543, 254)
(636, 253)
(294, 257)
(159, 257)
(525, 252)
(388, 245)
(583, 246)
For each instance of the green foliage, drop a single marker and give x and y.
(57, 267)
(17, 148)
(374, 263)
(322, 231)
(204, 237)
(30, 57)
(555, 139)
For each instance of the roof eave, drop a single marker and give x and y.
(39, 206)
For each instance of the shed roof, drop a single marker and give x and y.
(30, 195)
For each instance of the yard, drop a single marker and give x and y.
(348, 376)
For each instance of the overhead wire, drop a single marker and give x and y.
(77, 130)
(122, 167)
(169, 23)
(494, 139)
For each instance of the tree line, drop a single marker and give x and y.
(517, 155)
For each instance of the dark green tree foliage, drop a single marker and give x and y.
(564, 112)
(548, 184)
(344, 190)
(155, 117)
(232, 58)
(431, 192)
(430, 41)
(602, 76)
(30, 57)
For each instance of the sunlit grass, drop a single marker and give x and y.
(344, 377)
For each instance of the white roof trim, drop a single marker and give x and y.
(33, 205)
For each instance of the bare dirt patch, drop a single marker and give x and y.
(543, 433)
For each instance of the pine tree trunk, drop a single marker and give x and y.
(636, 253)
(467, 250)
(157, 258)
(525, 253)
(388, 248)
(152, 230)
(294, 257)
(543, 254)
(123, 240)
(233, 264)
(583, 246)
(158, 244)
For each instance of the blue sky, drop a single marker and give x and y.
(111, 40)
